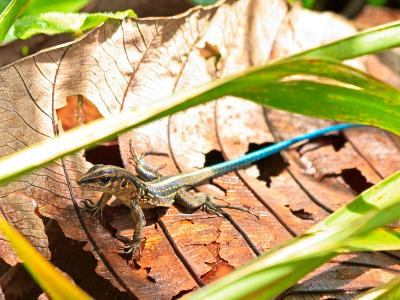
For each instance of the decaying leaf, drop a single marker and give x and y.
(131, 63)
(19, 210)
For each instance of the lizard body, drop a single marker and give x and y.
(150, 189)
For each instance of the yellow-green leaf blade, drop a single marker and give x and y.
(380, 239)
(366, 42)
(53, 282)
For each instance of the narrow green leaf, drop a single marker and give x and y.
(381, 239)
(353, 99)
(57, 22)
(53, 282)
(9, 15)
(275, 271)
(3, 4)
(366, 42)
(388, 291)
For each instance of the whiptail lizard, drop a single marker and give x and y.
(149, 189)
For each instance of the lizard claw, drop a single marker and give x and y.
(133, 247)
(94, 208)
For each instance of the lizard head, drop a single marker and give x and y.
(106, 178)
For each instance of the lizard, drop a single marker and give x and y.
(149, 189)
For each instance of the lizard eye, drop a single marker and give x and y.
(105, 180)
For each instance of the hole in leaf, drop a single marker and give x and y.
(337, 141)
(213, 157)
(270, 166)
(68, 255)
(149, 278)
(107, 154)
(301, 213)
(79, 110)
(356, 180)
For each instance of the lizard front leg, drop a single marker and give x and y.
(97, 208)
(206, 202)
(139, 222)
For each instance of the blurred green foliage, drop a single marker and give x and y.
(34, 7)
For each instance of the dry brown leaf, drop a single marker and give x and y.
(134, 62)
(19, 210)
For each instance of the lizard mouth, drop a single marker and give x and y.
(88, 184)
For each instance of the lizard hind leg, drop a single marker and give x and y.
(207, 203)
(144, 171)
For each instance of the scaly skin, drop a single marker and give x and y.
(149, 189)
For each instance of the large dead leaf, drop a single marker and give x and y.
(132, 63)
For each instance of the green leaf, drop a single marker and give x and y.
(53, 282)
(275, 271)
(9, 15)
(358, 105)
(56, 23)
(388, 291)
(353, 99)
(3, 4)
(377, 2)
(308, 3)
(381, 239)
(373, 40)
(41, 6)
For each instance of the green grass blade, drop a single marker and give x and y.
(9, 15)
(3, 4)
(366, 42)
(275, 271)
(381, 239)
(57, 22)
(354, 99)
(52, 281)
(388, 291)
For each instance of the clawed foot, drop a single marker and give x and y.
(211, 207)
(94, 208)
(133, 247)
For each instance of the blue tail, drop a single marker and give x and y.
(231, 165)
